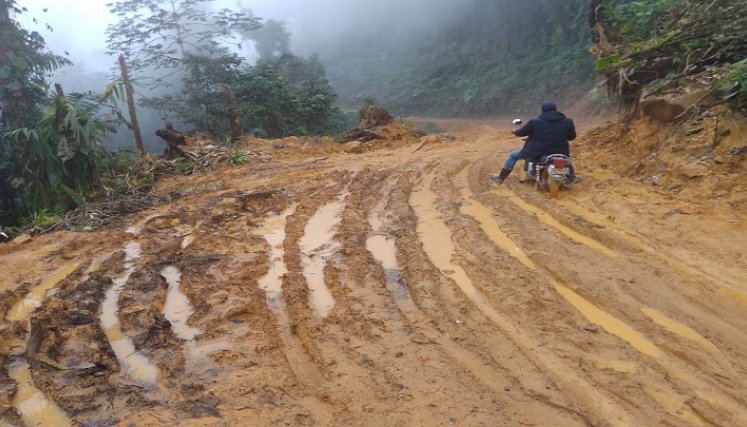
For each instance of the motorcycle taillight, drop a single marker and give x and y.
(560, 163)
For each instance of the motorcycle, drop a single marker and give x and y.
(549, 173)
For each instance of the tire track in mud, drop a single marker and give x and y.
(273, 231)
(699, 303)
(727, 401)
(729, 287)
(57, 328)
(536, 403)
(364, 336)
(436, 237)
(30, 403)
(698, 307)
(231, 363)
(135, 365)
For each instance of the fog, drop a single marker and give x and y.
(330, 28)
(417, 57)
(320, 26)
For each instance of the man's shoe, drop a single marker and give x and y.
(497, 179)
(501, 176)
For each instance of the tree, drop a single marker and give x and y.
(158, 34)
(24, 65)
(49, 145)
(270, 41)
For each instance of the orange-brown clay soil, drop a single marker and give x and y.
(391, 287)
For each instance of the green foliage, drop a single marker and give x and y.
(735, 85)
(644, 41)
(288, 95)
(184, 165)
(608, 62)
(55, 162)
(157, 35)
(50, 153)
(639, 19)
(43, 219)
(24, 64)
(237, 158)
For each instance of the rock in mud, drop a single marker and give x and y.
(670, 107)
(354, 147)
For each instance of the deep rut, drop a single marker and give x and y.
(397, 288)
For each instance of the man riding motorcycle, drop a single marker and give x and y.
(548, 134)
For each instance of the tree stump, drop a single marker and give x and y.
(173, 139)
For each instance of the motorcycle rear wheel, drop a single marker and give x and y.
(553, 187)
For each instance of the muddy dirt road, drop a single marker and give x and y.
(393, 287)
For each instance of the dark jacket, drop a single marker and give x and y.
(548, 134)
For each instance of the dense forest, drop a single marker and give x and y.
(495, 56)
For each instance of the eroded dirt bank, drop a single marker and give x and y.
(390, 287)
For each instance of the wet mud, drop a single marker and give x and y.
(395, 287)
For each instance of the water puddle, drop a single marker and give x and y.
(188, 240)
(34, 299)
(676, 405)
(177, 308)
(134, 364)
(610, 323)
(384, 251)
(677, 328)
(545, 218)
(273, 230)
(31, 403)
(490, 227)
(436, 239)
(137, 228)
(736, 295)
(317, 245)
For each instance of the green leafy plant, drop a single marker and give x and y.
(184, 165)
(43, 219)
(735, 85)
(237, 158)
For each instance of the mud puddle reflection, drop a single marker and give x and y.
(273, 231)
(317, 246)
(436, 239)
(134, 364)
(31, 403)
(679, 329)
(33, 406)
(545, 218)
(490, 227)
(384, 250)
(34, 299)
(177, 308)
(610, 323)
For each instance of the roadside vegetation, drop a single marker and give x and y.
(52, 153)
(663, 42)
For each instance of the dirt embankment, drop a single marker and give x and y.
(391, 285)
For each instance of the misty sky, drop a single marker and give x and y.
(317, 26)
